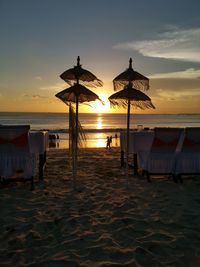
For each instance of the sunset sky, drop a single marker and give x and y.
(42, 38)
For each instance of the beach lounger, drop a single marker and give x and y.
(161, 158)
(188, 160)
(16, 161)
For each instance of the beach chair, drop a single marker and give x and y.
(188, 159)
(161, 158)
(16, 161)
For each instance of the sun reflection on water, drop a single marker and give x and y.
(101, 141)
(99, 124)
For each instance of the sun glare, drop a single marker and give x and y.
(101, 107)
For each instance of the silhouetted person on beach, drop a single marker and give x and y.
(108, 143)
(110, 140)
(116, 139)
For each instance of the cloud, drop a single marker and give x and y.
(38, 96)
(186, 74)
(172, 95)
(55, 87)
(39, 78)
(176, 44)
(35, 96)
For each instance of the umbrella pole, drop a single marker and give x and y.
(70, 132)
(76, 143)
(72, 142)
(127, 142)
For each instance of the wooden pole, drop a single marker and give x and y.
(127, 142)
(76, 143)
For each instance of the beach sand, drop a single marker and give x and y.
(102, 223)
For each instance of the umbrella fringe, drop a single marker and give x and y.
(72, 125)
(72, 132)
(140, 85)
(92, 84)
(84, 94)
(130, 76)
(117, 103)
(84, 76)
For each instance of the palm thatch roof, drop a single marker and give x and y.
(137, 80)
(77, 73)
(70, 94)
(136, 98)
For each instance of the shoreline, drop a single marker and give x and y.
(92, 141)
(106, 130)
(101, 223)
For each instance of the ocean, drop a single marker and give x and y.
(96, 125)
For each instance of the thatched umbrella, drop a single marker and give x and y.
(80, 75)
(125, 98)
(76, 94)
(137, 80)
(76, 76)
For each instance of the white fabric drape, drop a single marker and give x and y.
(18, 161)
(21, 164)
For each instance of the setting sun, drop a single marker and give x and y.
(101, 107)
